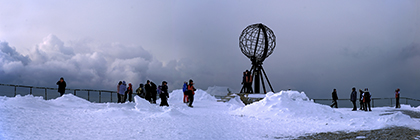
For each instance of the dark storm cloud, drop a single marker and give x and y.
(321, 45)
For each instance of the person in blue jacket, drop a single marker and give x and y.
(121, 91)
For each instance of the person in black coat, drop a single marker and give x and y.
(353, 98)
(366, 97)
(335, 98)
(153, 89)
(148, 89)
(164, 95)
(61, 86)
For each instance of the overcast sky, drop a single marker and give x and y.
(321, 45)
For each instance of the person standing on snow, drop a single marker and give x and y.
(184, 89)
(153, 87)
(397, 98)
(353, 98)
(121, 92)
(140, 91)
(248, 82)
(366, 99)
(164, 95)
(61, 86)
(190, 90)
(362, 104)
(148, 88)
(130, 92)
(118, 92)
(335, 98)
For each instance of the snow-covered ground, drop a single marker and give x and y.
(286, 114)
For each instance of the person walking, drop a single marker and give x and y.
(397, 98)
(130, 92)
(121, 92)
(61, 86)
(353, 98)
(184, 89)
(191, 93)
(362, 104)
(140, 91)
(164, 95)
(366, 99)
(335, 98)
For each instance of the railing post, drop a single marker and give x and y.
(111, 97)
(46, 94)
(30, 91)
(373, 103)
(74, 93)
(15, 91)
(100, 96)
(88, 95)
(391, 102)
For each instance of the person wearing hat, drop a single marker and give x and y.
(190, 90)
(164, 95)
(61, 86)
(397, 98)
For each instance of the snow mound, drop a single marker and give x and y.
(217, 91)
(200, 95)
(286, 104)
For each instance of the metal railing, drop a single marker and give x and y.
(74, 91)
(391, 101)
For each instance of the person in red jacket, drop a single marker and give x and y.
(397, 98)
(190, 92)
(130, 92)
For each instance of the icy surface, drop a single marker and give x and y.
(286, 114)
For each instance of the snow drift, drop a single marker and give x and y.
(286, 114)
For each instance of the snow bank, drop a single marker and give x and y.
(287, 104)
(217, 90)
(200, 95)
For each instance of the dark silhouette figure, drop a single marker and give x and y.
(397, 98)
(353, 98)
(366, 99)
(153, 87)
(148, 88)
(248, 82)
(61, 86)
(164, 95)
(335, 98)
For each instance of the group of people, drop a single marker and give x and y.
(150, 92)
(189, 92)
(364, 99)
(247, 82)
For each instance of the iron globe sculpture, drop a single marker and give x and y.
(257, 42)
